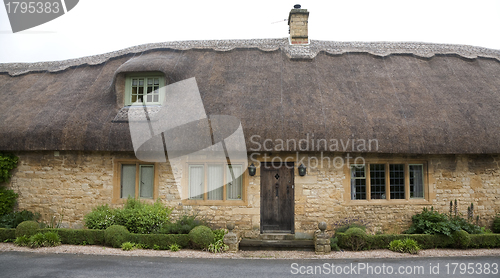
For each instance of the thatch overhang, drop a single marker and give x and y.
(412, 98)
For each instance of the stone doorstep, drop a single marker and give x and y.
(276, 236)
(260, 244)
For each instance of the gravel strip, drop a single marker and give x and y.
(188, 253)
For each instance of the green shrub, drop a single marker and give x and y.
(136, 216)
(406, 245)
(100, 218)
(116, 235)
(201, 237)
(218, 245)
(461, 239)
(7, 234)
(79, 236)
(52, 239)
(496, 224)
(47, 239)
(8, 161)
(334, 244)
(183, 225)
(8, 199)
(27, 228)
(485, 241)
(127, 246)
(174, 247)
(22, 241)
(11, 220)
(356, 239)
(156, 247)
(462, 224)
(344, 225)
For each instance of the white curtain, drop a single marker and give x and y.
(418, 183)
(234, 187)
(128, 181)
(215, 182)
(196, 181)
(146, 181)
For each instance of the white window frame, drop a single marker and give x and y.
(145, 76)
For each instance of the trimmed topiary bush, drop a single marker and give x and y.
(356, 239)
(116, 235)
(27, 228)
(461, 239)
(201, 237)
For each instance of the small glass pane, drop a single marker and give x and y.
(141, 90)
(358, 182)
(128, 181)
(377, 181)
(141, 82)
(150, 81)
(196, 181)
(157, 81)
(235, 185)
(134, 82)
(150, 89)
(215, 182)
(156, 98)
(134, 98)
(149, 98)
(146, 181)
(134, 90)
(417, 181)
(397, 181)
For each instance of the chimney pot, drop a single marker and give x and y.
(297, 6)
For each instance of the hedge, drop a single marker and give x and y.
(423, 240)
(79, 236)
(7, 234)
(163, 241)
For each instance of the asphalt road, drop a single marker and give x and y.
(21, 264)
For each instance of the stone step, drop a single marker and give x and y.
(260, 244)
(277, 236)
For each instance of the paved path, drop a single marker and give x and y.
(27, 264)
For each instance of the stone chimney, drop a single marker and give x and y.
(297, 22)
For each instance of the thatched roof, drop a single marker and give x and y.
(411, 97)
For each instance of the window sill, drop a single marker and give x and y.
(214, 202)
(387, 202)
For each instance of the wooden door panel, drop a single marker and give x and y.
(277, 197)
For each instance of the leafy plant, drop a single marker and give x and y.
(11, 220)
(201, 237)
(183, 225)
(174, 247)
(461, 239)
(8, 161)
(156, 247)
(496, 224)
(406, 245)
(136, 216)
(8, 199)
(22, 240)
(334, 244)
(128, 246)
(218, 245)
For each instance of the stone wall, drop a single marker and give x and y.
(69, 184)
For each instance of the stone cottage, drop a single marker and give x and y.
(335, 131)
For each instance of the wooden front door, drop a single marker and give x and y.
(277, 197)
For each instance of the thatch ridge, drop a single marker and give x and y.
(310, 51)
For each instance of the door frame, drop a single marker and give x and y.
(292, 208)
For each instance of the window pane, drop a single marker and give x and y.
(141, 82)
(417, 181)
(150, 81)
(146, 181)
(155, 98)
(397, 181)
(149, 98)
(377, 181)
(157, 81)
(234, 186)
(134, 82)
(196, 181)
(128, 181)
(215, 182)
(358, 182)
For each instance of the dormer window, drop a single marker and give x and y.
(144, 88)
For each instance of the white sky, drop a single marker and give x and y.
(100, 26)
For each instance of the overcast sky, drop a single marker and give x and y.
(97, 26)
